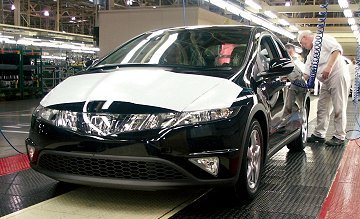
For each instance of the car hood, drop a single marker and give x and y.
(152, 87)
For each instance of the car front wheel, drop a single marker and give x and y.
(252, 163)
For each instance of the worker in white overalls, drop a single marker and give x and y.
(333, 72)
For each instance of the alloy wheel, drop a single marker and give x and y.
(253, 159)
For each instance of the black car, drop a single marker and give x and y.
(186, 106)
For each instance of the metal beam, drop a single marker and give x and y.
(17, 13)
(57, 21)
(332, 29)
(309, 8)
(315, 20)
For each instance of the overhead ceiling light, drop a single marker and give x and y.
(270, 14)
(253, 4)
(129, 2)
(237, 10)
(354, 27)
(356, 33)
(283, 22)
(348, 13)
(351, 21)
(82, 51)
(343, 3)
(287, 4)
(32, 39)
(293, 28)
(53, 57)
(7, 40)
(6, 36)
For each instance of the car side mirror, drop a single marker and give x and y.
(282, 66)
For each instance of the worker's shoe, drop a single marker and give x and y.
(313, 138)
(335, 142)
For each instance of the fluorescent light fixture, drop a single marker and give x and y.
(7, 40)
(25, 42)
(343, 3)
(237, 10)
(283, 22)
(270, 14)
(253, 4)
(356, 33)
(129, 2)
(287, 4)
(82, 51)
(351, 21)
(348, 13)
(6, 36)
(354, 27)
(31, 39)
(54, 57)
(79, 44)
(293, 28)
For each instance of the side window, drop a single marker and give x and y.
(284, 53)
(268, 51)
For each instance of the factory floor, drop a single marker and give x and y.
(320, 182)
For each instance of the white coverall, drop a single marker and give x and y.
(334, 91)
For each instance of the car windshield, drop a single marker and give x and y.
(212, 47)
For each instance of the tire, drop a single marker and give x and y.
(252, 163)
(299, 143)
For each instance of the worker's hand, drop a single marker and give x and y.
(306, 77)
(326, 73)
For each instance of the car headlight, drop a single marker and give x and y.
(102, 124)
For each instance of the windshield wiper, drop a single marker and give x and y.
(104, 67)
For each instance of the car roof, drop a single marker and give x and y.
(198, 27)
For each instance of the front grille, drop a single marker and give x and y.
(109, 168)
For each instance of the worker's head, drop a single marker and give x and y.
(305, 39)
(291, 49)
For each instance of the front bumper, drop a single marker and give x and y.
(142, 161)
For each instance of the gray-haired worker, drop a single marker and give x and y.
(334, 75)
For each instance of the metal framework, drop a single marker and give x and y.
(80, 16)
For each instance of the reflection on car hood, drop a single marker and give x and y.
(152, 87)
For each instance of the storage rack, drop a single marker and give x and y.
(54, 71)
(20, 73)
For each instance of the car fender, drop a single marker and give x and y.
(258, 111)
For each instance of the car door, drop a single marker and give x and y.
(272, 89)
(295, 95)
